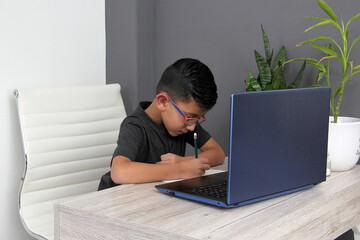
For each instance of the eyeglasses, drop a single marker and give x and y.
(189, 121)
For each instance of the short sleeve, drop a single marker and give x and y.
(131, 138)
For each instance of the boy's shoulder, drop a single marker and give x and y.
(136, 119)
(139, 113)
(139, 119)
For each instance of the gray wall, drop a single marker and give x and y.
(129, 48)
(145, 36)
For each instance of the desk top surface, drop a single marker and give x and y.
(322, 212)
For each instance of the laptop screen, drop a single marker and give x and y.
(278, 141)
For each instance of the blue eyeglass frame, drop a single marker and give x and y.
(188, 121)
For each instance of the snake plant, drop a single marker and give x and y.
(271, 73)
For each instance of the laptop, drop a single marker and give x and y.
(278, 145)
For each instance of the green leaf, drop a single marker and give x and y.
(276, 83)
(337, 92)
(280, 58)
(317, 18)
(264, 70)
(329, 21)
(327, 57)
(302, 59)
(250, 89)
(338, 84)
(330, 46)
(253, 83)
(268, 87)
(311, 61)
(277, 75)
(327, 10)
(282, 81)
(271, 56)
(315, 39)
(321, 67)
(298, 78)
(354, 73)
(352, 19)
(319, 76)
(327, 50)
(347, 79)
(354, 42)
(266, 46)
(320, 38)
(348, 66)
(356, 68)
(258, 79)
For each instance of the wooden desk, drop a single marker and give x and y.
(139, 211)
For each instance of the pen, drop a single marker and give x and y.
(195, 145)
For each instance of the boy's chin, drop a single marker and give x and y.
(175, 134)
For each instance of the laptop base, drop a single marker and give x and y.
(223, 204)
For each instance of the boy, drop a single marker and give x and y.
(151, 144)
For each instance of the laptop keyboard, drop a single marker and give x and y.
(218, 190)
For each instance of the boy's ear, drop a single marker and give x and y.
(162, 101)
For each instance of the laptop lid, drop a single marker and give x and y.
(278, 141)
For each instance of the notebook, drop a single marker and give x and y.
(278, 145)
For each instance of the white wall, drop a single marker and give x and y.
(42, 44)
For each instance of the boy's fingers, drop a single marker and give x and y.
(206, 166)
(204, 160)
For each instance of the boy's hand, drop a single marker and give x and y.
(189, 167)
(195, 167)
(170, 158)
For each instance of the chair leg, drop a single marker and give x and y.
(356, 231)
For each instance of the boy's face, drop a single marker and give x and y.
(174, 120)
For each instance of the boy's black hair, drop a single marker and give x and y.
(188, 78)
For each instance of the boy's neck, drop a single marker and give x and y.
(153, 112)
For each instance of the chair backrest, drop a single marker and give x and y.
(69, 135)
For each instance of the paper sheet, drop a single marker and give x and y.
(208, 172)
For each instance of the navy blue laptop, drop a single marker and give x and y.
(278, 145)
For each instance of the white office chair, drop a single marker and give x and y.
(69, 136)
(356, 231)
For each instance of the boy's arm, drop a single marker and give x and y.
(123, 170)
(211, 150)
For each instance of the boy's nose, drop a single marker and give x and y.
(191, 128)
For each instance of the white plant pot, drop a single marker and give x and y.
(344, 143)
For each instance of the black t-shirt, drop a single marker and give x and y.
(143, 140)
